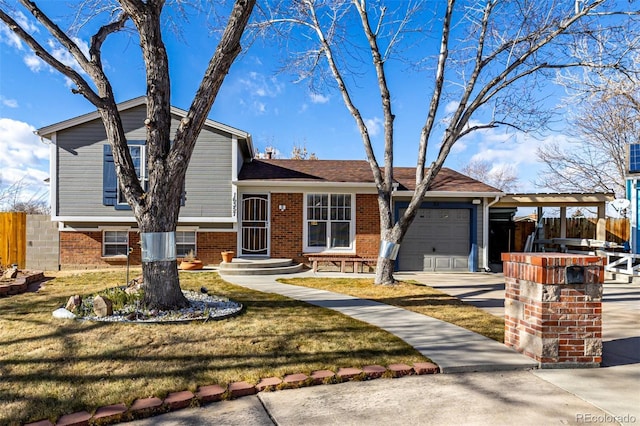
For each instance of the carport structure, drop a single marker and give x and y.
(562, 201)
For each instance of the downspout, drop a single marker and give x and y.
(485, 232)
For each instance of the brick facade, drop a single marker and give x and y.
(367, 225)
(211, 244)
(287, 226)
(548, 317)
(83, 250)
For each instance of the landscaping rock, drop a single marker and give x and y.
(63, 314)
(74, 303)
(102, 306)
(135, 285)
(10, 274)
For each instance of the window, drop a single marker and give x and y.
(115, 243)
(140, 164)
(185, 242)
(329, 221)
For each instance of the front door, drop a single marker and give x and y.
(255, 225)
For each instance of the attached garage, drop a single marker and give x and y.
(438, 240)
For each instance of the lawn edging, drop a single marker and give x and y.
(153, 406)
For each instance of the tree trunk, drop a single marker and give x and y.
(162, 286)
(384, 271)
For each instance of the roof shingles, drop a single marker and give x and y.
(353, 171)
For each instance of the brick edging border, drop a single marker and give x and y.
(153, 406)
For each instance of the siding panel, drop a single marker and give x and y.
(80, 156)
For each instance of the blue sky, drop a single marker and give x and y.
(255, 98)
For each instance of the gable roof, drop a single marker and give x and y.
(48, 131)
(354, 171)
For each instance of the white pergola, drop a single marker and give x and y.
(562, 201)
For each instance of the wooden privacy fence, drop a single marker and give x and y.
(13, 239)
(618, 230)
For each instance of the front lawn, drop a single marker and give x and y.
(50, 367)
(414, 297)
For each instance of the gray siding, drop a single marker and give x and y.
(80, 156)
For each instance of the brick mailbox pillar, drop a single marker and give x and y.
(553, 308)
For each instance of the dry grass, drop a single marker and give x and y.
(414, 297)
(50, 367)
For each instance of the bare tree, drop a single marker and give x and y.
(300, 152)
(604, 121)
(15, 197)
(489, 58)
(503, 177)
(156, 209)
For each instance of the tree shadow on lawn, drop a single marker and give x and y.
(50, 367)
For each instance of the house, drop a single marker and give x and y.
(256, 207)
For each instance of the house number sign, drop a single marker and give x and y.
(158, 246)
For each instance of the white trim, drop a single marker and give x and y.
(304, 184)
(450, 194)
(53, 176)
(113, 256)
(48, 131)
(486, 205)
(131, 219)
(114, 228)
(352, 226)
(234, 176)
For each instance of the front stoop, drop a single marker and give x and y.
(243, 266)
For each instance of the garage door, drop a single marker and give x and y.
(437, 240)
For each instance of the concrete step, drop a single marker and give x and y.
(240, 263)
(278, 270)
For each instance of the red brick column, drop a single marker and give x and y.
(553, 314)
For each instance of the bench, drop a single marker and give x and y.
(357, 261)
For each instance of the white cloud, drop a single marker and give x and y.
(11, 103)
(451, 107)
(374, 125)
(262, 86)
(317, 98)
(23, 157)
(9, 37)
(34, 63)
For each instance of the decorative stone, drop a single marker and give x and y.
(102, 306)
(178, 400)
(400, 370)
(268, 383)
(135, 285)
(74, 303)
(210, 393)
(10, 273)
(145, 406)
(76, 419)
(425, 368)
(238, 389)
(294, 380)
(374, 371)
(62, 313)
(110, 412)
(348, 373)
(322, 376)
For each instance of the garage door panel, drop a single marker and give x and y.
(437, 240)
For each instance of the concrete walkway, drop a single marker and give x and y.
(609, 395)
(453, 348)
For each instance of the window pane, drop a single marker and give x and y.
(115, 237)
(317, 234)
(340, 234)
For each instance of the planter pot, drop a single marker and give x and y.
(227, 256)
(190, 265)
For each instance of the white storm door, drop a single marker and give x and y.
(255, 225)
